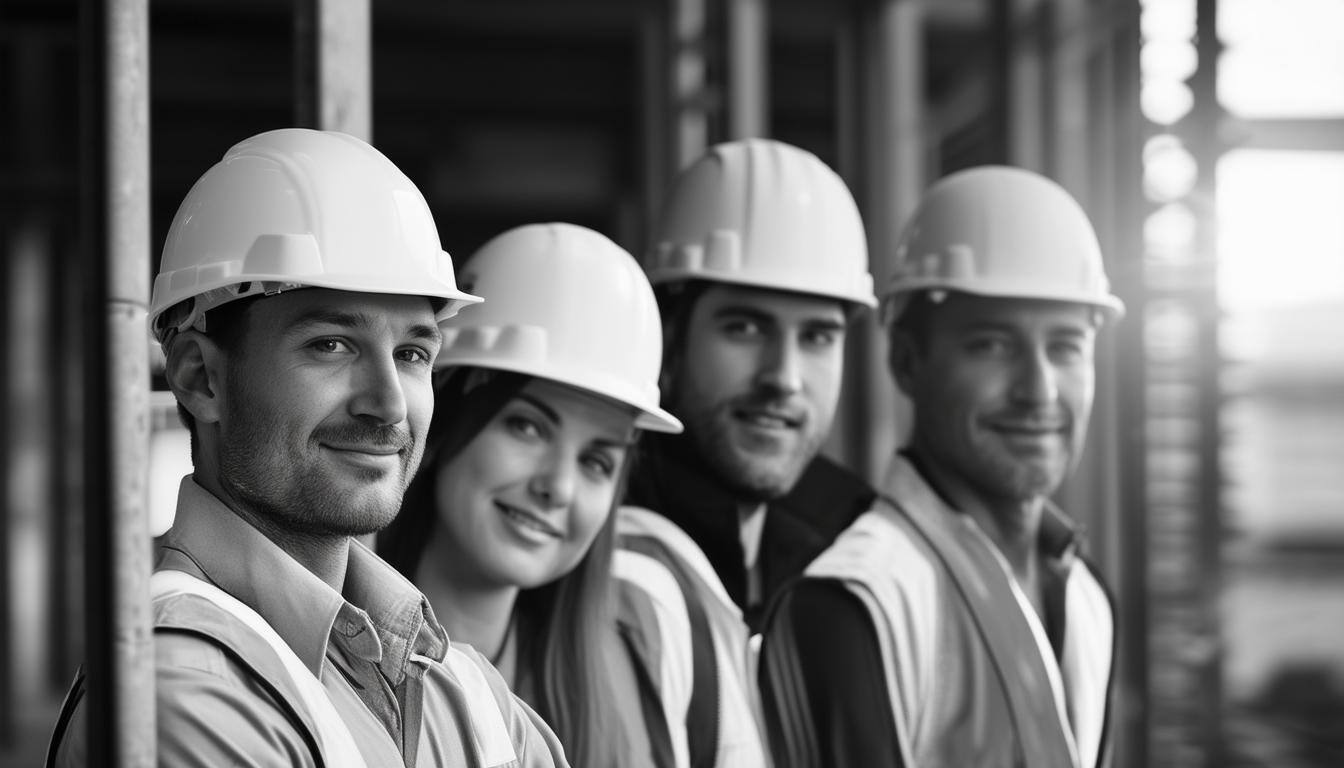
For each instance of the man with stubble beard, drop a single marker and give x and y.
(298, 303)
(957, 623)
(760, 263)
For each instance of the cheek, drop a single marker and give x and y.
(590, 513)
(712, 372)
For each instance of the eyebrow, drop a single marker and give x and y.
(353, 320)
(767, 318)
(551, 414)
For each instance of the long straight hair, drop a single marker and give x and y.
(566, 628)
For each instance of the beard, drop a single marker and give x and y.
(280, 476)
(753, 470)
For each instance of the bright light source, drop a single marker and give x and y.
(1165, 101)
(1167, 19)
(1169, 232)
(1280, 229)
(1283, 58)
(1168, 59)
(1169, 170)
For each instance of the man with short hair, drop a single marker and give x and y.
(759, 262)
(298, 303)
(956, 623)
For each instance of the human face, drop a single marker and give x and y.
(756, 383)
(326, 402)
(1002, 391)
(522, 502)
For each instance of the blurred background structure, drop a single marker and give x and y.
(1204, 137)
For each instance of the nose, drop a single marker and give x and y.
(379, 392)
(1036, 381)
(781, 366)
(553, 483)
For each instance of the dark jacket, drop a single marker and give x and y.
(671, 479)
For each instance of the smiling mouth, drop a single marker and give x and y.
(528, 520)
(766, 419)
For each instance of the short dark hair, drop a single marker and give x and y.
(225, 325)
(916, 317)
(676, 302)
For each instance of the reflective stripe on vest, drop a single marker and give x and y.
(725, 700)
(338, 747)
(676, 670)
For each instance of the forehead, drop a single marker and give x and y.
(965, 312)
(291, 309)
(782, 306)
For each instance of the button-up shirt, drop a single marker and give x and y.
(215, 711)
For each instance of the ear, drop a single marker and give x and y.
(903, 360)
(195, 373)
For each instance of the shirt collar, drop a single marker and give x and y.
(242, 561)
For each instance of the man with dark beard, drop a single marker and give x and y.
(956, 623)
(297, 304)
(759, 262)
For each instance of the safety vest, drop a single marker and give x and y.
(970, 671)
(185, 603)
(694, 639)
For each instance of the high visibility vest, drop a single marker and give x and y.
(694, 639)
(971, 675)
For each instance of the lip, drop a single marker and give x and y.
(528, 524)
(373, 456)
(768, 418)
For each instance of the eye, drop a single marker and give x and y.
(329, 346)
(820, 338)
(1068, 350)
(524, 427)
(599, 462)
(741, 328)
(415, 356)
(988, 346)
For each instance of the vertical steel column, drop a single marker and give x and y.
(654, 109)
(748, 69)
(690, 102)
(121, 672)
(333, 66)
(893, 142)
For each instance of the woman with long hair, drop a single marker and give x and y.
(508, 527)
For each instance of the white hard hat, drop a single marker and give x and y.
(299, 208)
(1000, 231)
(563, 303)
(765, 214)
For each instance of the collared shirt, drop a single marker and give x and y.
(214, 710)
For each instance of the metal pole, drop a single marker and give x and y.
(894, 143)
(690, 107)
(748, 69)
(333, 66)
(125, 585)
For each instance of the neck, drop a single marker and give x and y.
(1013, 525)
(472, 612)
(325, 555)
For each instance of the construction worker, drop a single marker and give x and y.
(508, 529)
(956, 623)
(760, 262)
(297, 303)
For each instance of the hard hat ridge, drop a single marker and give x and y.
(297, 208)
(1004, 232)
(567, 304)
(764, 214)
